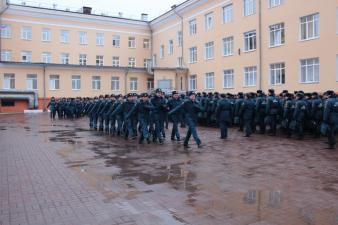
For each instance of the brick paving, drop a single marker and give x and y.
(66, 174)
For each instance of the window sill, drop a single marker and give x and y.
(46, 41)
(192, 62)
(276, 46)
(276, 85)
(64, 42)
(76, 89)
(209, 59)
(26, 39)
(249, 86)
(314, 82)
(249, 51)
(309, 39)
(6, 37)
(228, 55)
(227, 88)
(54, 89)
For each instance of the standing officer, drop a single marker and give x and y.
(247, 112)
(159, 114)
(300, 113)
(223, 115)
(331, 118)
(175, 117)
(272, 111)
(316, 113)
(238, 104)
(260, 111)
(52, 105)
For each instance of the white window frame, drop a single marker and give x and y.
(96, 83)
(133, 84)
(28, 55)
(276, 35)
(64, 58)
(99, 39)
(161, 51)
(131, 42)
(26, 33)
(314, 64)
(150, 84)
(171, 47)
(209, 81)
(179, 38)
(193, 82)
(76, 82)
(209, 20)
(228, 79)
(310, 22)
(83, 59)
(193, 55)
(6, 55)
(228, 14)
(116, 61)
(192, 27)
(145, 63)
(132, 62)
(209, 50)
(99, 60)
(115, 83)
(83, 38)
(180, 62)
(9, 81)
(46, 57)
(146, 43)
(6, 31)
(53, 80)
(249, 7)
(250, 36)
(228, 46)
(46, 35)
(64, 36)
(32, 82)
(275, 3)
(248, 72)
(116, 41)
(277, 74)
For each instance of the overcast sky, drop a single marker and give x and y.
(129, 8)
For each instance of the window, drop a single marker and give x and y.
(193, 55)
(115, 83)
(277, 35)
(161, 51)
(46, 34)
(54, 82)
(250, 74)
(249, 7)
(192, 82)
(132, 62)
(9, 81)
(6, 55)
(209, 50)
(154, 60)
(228, 79)
(133, 84)
(99, 60)
(275, 3)
(6, 31)
(146, 44)
(116, 41)
(309, 70)
(209, 81)
(277, 73)
(100, 39)
(179, 38)
(209, 21)
(7, 103)
(250, 41)
(26, 33)
(96, 82)
(132, 42)
(228, 46)
(26, 56)
(192, 27)
(145, 63)
(64, 58)
(83, 59)
(64, 36)
(171, 47)
(83, 38)
(116, 61)
(32, 82)
(150, 84)
(309, 27)
(46, 57)
(228, 13)
(180, 62)
(76, 82)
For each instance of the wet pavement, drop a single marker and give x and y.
(66, 174)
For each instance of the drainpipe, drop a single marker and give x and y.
(44, 87)
(260, 43)
(151, 44)
(4, 10)
(126, 81)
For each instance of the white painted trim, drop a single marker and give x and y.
(73, 26)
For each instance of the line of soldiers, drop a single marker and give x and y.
(130, 115)
(67, 108)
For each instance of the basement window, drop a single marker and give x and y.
(7, 103)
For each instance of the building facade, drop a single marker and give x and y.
(218, 45)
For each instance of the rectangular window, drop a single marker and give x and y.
(64, 36)
(96, 83)
(179, 38)
(277, 35)
(209, 81)
(228, 13)
(209, 21)
(83, 38)
(193, 55)
(26, 56)
(192, 27)
(99, 60)
(209, 50)
(250, 74)
(9, 81)
(26, 33)
(83, 59)
(180, 62)
(6, 55)
(145, 63)
(6, 31)
(277, 73)
(54, 82)
(116, 41)
(132, 62)
(309, 27)
(132, 42)
(32, 82)
(115, 83)
(116, 61)
(192, 82)
(228, 46)
(64, 58)
(76, 82)
(228, 79)
(146, 43)
(133, 84)
(249, 7)
(309, 70)
(100, 39)
(154, 60)
(275, 3)
(161, 51)
(46, 57)
(250, 41)
(171, 47)
(150, 84)
(46, 35)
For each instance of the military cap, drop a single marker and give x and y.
(174, 93)
(190, 93)
(259, 92)
(129, 95)
(272, 91)
(134, 94)
(144, 95)
(158, 90)
(300, 94)
(223, 95)
(314, 93)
